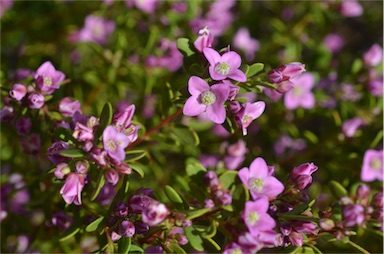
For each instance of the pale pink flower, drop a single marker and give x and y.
(372, 166)
(256, 217)
(225, 66)
(243, 41)
(72, 188)
(248, 113)
(301, 95)
(114, 143)
(47, 78)
(205, 98)
(374, 55)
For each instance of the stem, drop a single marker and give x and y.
(156, 128)
(266, 84)
(358, 247)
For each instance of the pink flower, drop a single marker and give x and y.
(256, 217)
(71, 190)
(112, 176)
(204, 40)
(350, 126)
(353, 215)
(114, 143)
(206, 99)
(122, 118)
(350, 8)
(372, 166)
(155, 213)
(243, 41)
(68, 107)
(301, 95)
(248, 113)
(96, 29)
(47, 78)
(148, 6)
(62, 169)
(333, 42)
(225, 66)
(23, 125)
(35, 100)
(374, 56)
(18, 92)
(258, 180)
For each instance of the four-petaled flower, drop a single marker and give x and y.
(258, 180)
(207, 99)
(256, 217)
(114, 143)
(301, 95)
(47, 78)
(372, 166)
(225, 66)
(248, 113)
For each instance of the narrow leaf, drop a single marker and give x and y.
(124, 245)
(254, 69)
(194, 238)
(71, 153)
(70, 232)
(134, 155)
(105, 118)
(173, 195)
(337, 189)
(197, 213)
(138, 169)
(99, 184)
(94, 224)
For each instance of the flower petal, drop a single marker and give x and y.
(232, 59)
(221, 92)
(197, 85)
(212, 56)
(214, 75)
(244, 176)
(238, 75)
(192, 107)
(255, 109)
(216, 112)
(258, 168)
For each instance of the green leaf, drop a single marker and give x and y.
(69, 233)
(196, 213)
(211, 231)
(135, 248)
(173, 195)
(194, 167)
(197, 192)
(357, 65)
(185, 135)
(239, 197)
(185, 46)
(228, 125)
(311, 137)
(94, 225)
(228, 178)
(124, 245)
(213, 243)
(254, 69)
(337, 189)
(175, 248)
(72, 153)
(64, 134)
(138, 169)
(194, 238)
(100, 183)
(134, 155)
(300, 208)
(105, 118)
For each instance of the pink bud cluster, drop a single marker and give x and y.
(282, 76)
(218, 195)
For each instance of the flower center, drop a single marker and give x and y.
(375, 164)
(208, 98)
(246, 120)
(222, 68)
(256, 184)
(236, 251)
(111, 145)
(252, 218)
(297, 91)
(47, 81)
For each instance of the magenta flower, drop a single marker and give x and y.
(53, 152)
(248, 113)
(301, 95)
(204, 40)
(72, 188)
(353, 215)
(35, 100)
(23, 125)
(47, 78)
(350, 126)
(148, 6)
(351, 8)
(111, 176)
(372, 166)
(114, 143)
(96, 29)
(62, 169)
(126, 229)
(256, 217)
(206, 99)
(122, 119)
(68, 107)
(225, 66)
(243, 41)
(302, 175)
(154, 213)
(333, 42)
(258, 180)
(18, 92)
(374, 56)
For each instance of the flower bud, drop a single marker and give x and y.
(327, 224)
(115, 236)
(83, 133)
(234, 107)
(285, 86)
(18, 92)
(35, 100)
(233, 90)
(291, 70)
(82, 167)
(275, 76)
(141, 227)
(208, 203)
(121, 209)
(377, 200)
(54, 150)
(211, 180)
(303, 169)
(303, 181)
(68, 107)
(362, 194)
(353, 215)
(111, 176)
(126, 228)
(155, 213)
(138, 203)
(204, 40)
(124, 169)
(296, 239)
(61, 170)
(23, 125)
